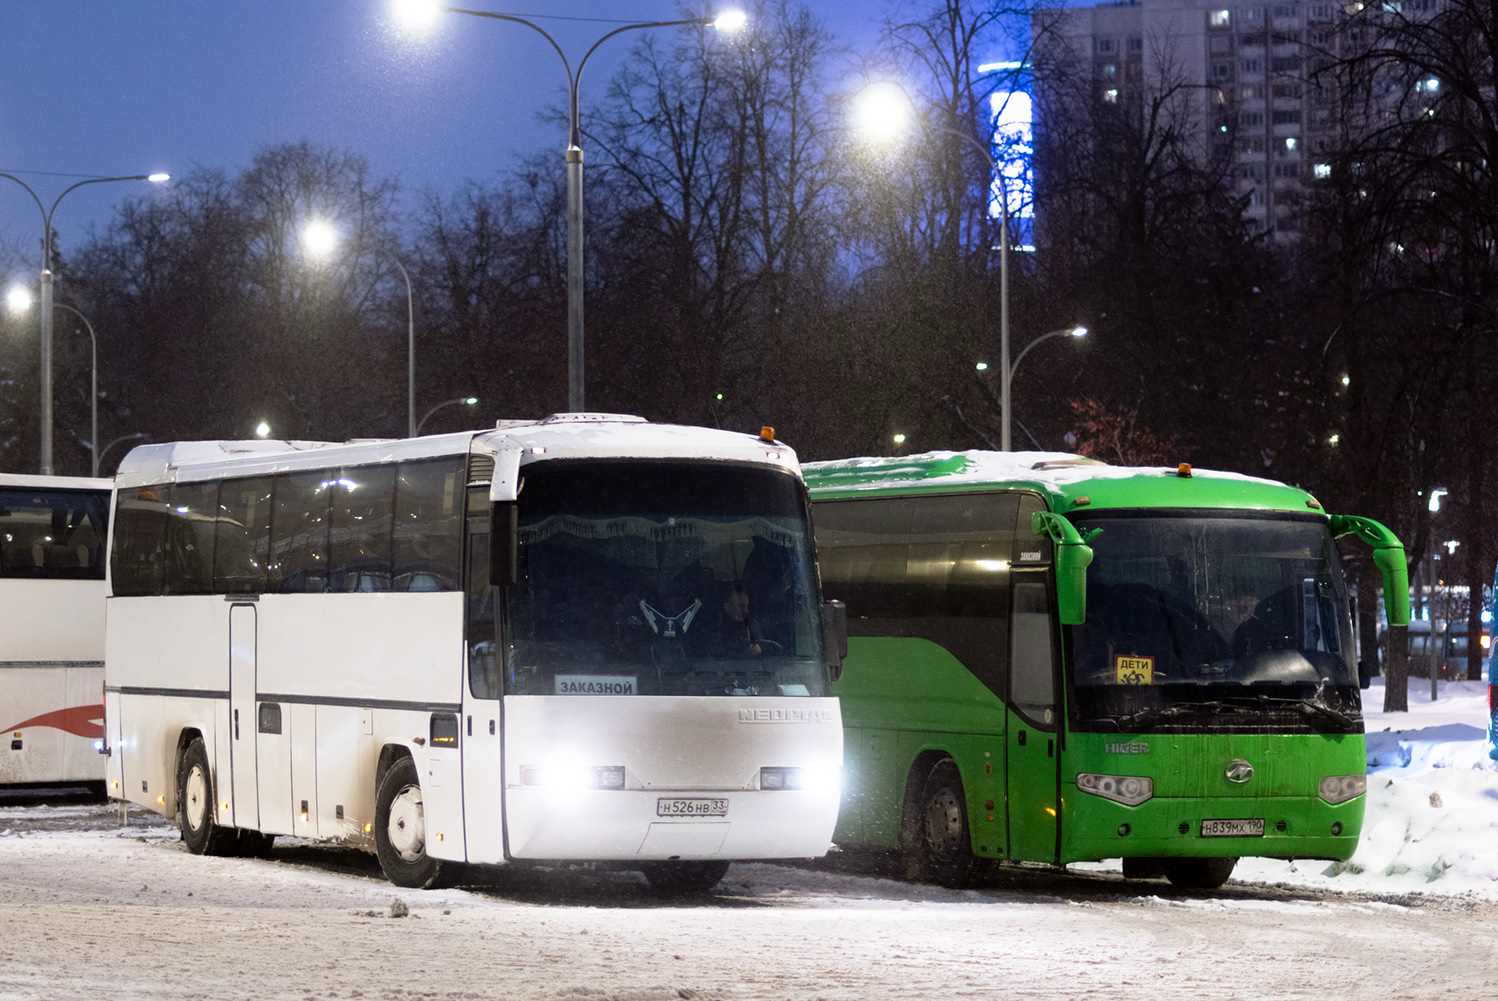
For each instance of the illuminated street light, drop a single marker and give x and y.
(467, 401)
(320, 239)
(1077, 331)
(18, 299)
(882, 112)
(262, 430)
(727, 21)
(45, 315)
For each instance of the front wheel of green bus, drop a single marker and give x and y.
(946, 851)
(1199, 873)
(400, 832)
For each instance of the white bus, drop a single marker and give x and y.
(52, 549)
(582, 638)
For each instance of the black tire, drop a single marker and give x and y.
(195, 805)
(400, 832)
(253, 844)
(684, 877)
(943, 840)
(1143, 868)
(1199, 873)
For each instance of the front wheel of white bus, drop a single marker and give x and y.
(684, 877)
(195, 804)
(400, 832)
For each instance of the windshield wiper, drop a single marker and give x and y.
(1325, 712)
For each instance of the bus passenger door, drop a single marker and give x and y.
(481, 737)
(1033, 751)
(242, 725)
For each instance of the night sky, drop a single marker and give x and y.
(100, 87)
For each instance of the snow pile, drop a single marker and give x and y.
(1432, 820)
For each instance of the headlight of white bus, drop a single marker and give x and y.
(1130, 790)
(1341, 788)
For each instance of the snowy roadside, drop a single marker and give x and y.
(1431, 825)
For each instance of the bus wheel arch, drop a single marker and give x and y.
(195, 800)
(400, 828)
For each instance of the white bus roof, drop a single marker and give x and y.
(560, 436)
(33, 482)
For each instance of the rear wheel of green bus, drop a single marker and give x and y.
(1199, 873)
(945, 846)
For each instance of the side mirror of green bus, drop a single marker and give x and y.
(835, 636)
(1073, 556)
(1388, 556)
(504, 543)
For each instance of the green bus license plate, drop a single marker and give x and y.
(670, 806)
(1233, 828)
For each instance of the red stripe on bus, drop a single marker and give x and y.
(81, 721)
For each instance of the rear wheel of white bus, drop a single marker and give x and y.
(400, 832)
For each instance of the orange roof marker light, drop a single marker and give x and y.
(1184, 470)
(766, 433)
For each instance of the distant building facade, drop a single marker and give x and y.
(1260, 113)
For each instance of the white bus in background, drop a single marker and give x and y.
(585, 638)
(53, 533)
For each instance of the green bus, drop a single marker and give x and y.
(1055, 660)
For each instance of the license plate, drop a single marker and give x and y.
(1233, 828)
(669, 806)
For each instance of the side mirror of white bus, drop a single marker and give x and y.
(835, 636)
(504, 543)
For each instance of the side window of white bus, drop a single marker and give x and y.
(428, 534)
(483, 646)
(359, 551)
(242, 536)
(140, 524)
(299, 532)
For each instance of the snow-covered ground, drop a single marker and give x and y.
(1432, 821)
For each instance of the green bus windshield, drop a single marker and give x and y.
(1217, 613)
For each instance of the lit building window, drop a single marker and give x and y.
(1323, 171)
(1290, 143)
(1110, 96)
(1219, 18)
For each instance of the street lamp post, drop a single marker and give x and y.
(46, 296)
(1009, 369)
(465, 400)
(124, 437)
(727, 21)
(320, 238)
(93, 395)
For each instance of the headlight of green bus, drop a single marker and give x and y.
(1130, 790)
(1341, 788)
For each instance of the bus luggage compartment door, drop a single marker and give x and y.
(242, 718)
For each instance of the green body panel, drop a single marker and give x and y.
(1191, 785)
(900, 698)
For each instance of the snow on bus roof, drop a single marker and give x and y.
(1059, 473)
(558, 436)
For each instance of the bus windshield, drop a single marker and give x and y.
(1213, 614)
(53, 533)
(663, 578)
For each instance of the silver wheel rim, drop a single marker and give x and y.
(195, 805)
(944, 824)
(406, 829)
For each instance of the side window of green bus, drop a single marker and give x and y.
(1032, 685)
(862, 550)
(1030, 548)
